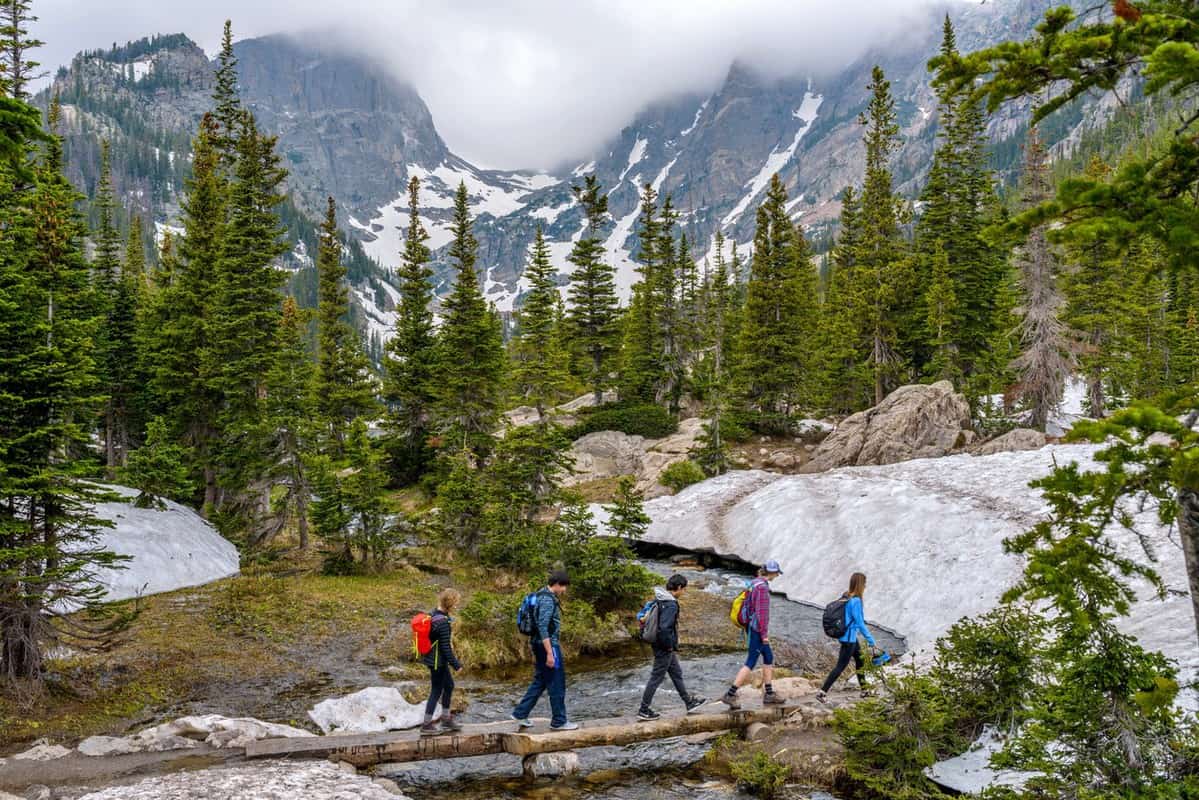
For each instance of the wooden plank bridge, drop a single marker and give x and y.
(364, 750)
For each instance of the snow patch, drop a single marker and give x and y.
(583, 169)
(161, 229)
(142, 68)
(635, 156)
(371, 710)
(550, 214)
(265, 780)
(698, 113)
(777, 159)
(971, 772)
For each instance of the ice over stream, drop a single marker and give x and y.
(928, 533)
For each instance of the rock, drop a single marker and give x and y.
(682, 441)
(813, 431)
(42, 750)
(38, 792)
(1013, 440)
(605, 454)
(551, 765)
(388, 785)
(5, 795)
(371, 710)
(912, 422)
(756, 732)
(781, 460)
(795, 688)
(347, 767)
(586, 401)
(262, 780)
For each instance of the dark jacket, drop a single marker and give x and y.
(549, 617)
(441, 635)
(668, 621)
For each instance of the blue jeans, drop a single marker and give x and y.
(756, 648)
(545, 678)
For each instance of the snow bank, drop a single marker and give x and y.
(929, 534)
(371, 710)
(171, 549)
(212, 729)
(265, 780)
(971, 772)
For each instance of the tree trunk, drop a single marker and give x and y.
(302, 521)
(210, 491)
(110, 445)
(1188, 534)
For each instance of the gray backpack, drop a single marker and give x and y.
(648, 617)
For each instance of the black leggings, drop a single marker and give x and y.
(849, 650)
(441, 688)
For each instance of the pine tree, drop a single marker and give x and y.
(158, 469)
(344, 385)
(842, 378)
(941, 305)
(291, 426)
(470, 350)
(16, 69)
(641, 368)
(49, 391)
(626, 515)
(226, 100)
(776, 328)
(594, 311)
(718, 325)
(1045, 361)
(539, 368)
(410, 365)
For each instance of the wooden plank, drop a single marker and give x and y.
(321, 746)
(458, 745)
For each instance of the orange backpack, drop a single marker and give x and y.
(422, 624)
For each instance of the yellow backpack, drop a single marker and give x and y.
(735, 613)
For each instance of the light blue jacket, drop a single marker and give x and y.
(855, 622)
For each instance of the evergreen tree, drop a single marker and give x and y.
(841, 377)
(344, 386)
(410, 364)
(291, 426)
(539, 369)
(226, 100)
(470, 350)
(641, 349)
(16, 69)
(1045, 361)
(941, 305)
(776, 328)
(594, 311)
(626, 514)
(711, 379)
(158, 469)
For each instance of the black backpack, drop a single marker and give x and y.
(834, 617)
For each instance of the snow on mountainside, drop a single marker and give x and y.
(928, 533)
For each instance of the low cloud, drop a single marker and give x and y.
(525, 83)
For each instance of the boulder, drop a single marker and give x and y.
(551, 765)
(42, 750)
(1013, 440)
(795, 688)
(781, 460)
(916, 421)
(605, 454)
(371, 710)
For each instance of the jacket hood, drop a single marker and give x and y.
(662, 594)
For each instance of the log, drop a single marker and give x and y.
(321, 746)
(459, 745)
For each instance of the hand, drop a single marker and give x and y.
(549, 660)
(765, 640)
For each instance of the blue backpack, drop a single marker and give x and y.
(526, 615)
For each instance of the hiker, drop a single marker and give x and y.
(663, 616)
(757, 624)
(549, 673)
(440, 659)
(851, 648)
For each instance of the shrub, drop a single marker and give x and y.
(650, 421)
(681, 474)
(760, 775)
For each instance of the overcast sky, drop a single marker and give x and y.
(522, 83)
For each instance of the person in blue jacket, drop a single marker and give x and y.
(549, 673)
(851, 647)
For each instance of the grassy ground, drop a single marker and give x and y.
(266, 642)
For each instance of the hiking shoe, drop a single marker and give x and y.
(565, 726)
(772, 699)
(695, 702)
(648, 714)
(822, 696)
(731, 700)
(451, 723)
(523, 722)
(430, 729)
(867, 693)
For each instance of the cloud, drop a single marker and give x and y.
(524, 83)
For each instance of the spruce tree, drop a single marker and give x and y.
(841, 377)
(158, 469)
(641, 368)
(1045, 360)
(410, 363)
(226, 101)
(470, 350)
(941, 305)
(344, 386)
(594, 311)
(16, 69)
(626, 514)
(539, 368)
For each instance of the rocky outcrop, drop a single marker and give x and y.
(610, 454)
(1013, 440)
(374, 709)
(915, 421)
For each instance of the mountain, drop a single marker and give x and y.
(350, 129)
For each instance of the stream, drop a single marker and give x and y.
(665, 769)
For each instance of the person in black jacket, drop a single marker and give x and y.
(666, 650)
(439, 660)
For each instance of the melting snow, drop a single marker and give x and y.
(698, 113)
(635, 156)
(583, 169)
(141, 69)
(265, 780)
(777, 159)
(550, 214)
(162, 228)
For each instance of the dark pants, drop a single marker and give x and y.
(441, 688)
(545, 679)
(665, 662)
(849, 650)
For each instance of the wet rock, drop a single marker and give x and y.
(371, 710)
(42, 750)
(915, 421)
(1018, 439)
(551, 765)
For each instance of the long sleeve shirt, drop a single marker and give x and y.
(668, 620)
(759, 606)
(855, 622)
(549, 617)
(441, 635)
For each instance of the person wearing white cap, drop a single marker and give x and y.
(758, 603)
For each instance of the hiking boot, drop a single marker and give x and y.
(695, 702)
(648, 714)
(523, 722)
(450, 723)
(430, 728)
(731, 700)
(565, 726)
(772, 699)
(822, 696)
(867, 692)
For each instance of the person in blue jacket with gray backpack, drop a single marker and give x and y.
(845, 621)
(540, 618)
